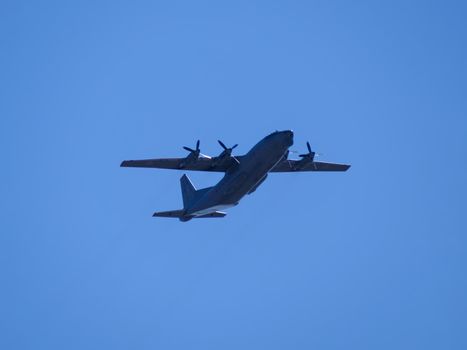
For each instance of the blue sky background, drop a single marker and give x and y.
(374, 258)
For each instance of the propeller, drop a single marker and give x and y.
(227, 150)
(192, 157)
(310, 154)
(226, 154)
(195, 152)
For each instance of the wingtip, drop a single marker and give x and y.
(124, 163)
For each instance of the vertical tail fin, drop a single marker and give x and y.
(188, 191)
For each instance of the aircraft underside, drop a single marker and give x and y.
(243, 174)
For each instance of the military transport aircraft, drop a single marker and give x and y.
(243, 174)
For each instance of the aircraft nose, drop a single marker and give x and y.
(289, 135)
(286, 132)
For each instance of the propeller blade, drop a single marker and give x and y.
(308, 146)
(191, 149)
(225, 147)
(222, 144)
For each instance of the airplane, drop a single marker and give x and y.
(243, 174)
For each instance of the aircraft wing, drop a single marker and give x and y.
(201, 164)
(294, 165)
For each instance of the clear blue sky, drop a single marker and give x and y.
(374, 258)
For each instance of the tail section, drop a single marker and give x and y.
(188, 191)
(190, 195)
(179, 214)
(169, 214)
(214, 214)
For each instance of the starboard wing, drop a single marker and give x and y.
(295, 165)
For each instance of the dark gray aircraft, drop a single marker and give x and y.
(243, 174)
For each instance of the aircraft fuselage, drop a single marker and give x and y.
(243, 177)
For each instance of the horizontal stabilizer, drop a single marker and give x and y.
(216, 214)
(178, 214)
(169, 214)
